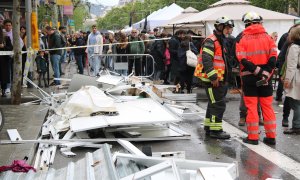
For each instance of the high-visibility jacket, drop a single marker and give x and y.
(256, 46)
(218, 62)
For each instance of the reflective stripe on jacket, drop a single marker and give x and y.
(218, 62)
(256, 45)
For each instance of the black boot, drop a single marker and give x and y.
(219, 134)
(242, 121)
(269, 141)
(261, 121)
(207, 131)
(285, 122)
(3, 93)
(250, 141)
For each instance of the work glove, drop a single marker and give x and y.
(265, 77)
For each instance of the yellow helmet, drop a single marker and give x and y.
(251, 17)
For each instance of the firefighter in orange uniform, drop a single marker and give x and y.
(257, 54)
(211, 70)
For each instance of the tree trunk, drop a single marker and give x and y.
(17, 58)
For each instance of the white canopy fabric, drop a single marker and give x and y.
(235, 9)
(184, 14)
(160, 17)
(84, 102)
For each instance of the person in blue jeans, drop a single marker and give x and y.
(54, 41)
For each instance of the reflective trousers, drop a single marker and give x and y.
(215, 108)
(252, 119)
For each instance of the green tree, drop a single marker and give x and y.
(118, 17)
(80, 14)
(276, 5)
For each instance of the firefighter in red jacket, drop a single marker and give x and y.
(211, 70)
(257, 54)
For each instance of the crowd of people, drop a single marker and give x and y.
(253, 52)
(168, 52)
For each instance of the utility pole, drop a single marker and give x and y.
(61, 15)
(298, 8)
(55, 15)
(17, 61)
(28, 70)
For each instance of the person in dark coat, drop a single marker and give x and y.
(42, 67)
(79, 52)
(157, 51)
(186, 72)
(174, 44)
(5, 45)
(122, 49)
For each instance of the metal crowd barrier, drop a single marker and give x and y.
(143, 65)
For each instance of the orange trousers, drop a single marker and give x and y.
(252, 119)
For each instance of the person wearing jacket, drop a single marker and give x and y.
(5, 45)
(95, 38)
(186, 72)
(54, 41)
(135, 46)
(292, 79)
(283, 46)
(157, 51)
(211, 70)
(257, 54)
(110, 48)
(79, 52)
(41, 64)
(174, 44)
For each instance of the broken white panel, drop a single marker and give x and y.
(182, 165)
(154, 132)
(140, 111)
(161, 87)
(109, 79)
(14, 134)
(130, 147)
(84, 102)
(149, 171)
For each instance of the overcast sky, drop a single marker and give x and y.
(105, 2)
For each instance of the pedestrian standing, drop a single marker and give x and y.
(54, 42)
(5, 45)
(211, 70)
(292, 79)
(41, 64)
(122, 49)
(79, 52)
(256, 52)
(95, 49)
(135, 46)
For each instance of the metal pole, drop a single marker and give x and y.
(28, 9)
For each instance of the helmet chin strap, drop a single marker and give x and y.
(218, 27)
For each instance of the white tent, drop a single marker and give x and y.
(235, 9)
(160, 17)
(184, 14)
(168, 26)
(140, 24)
